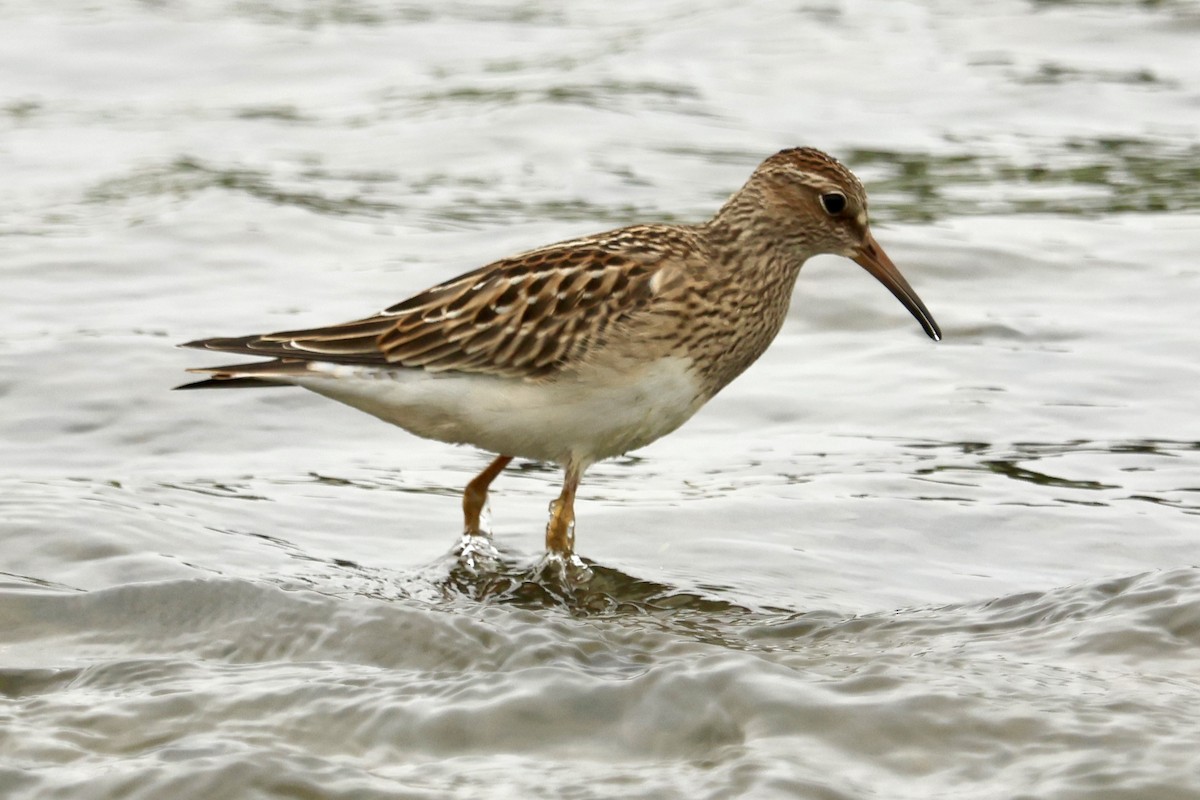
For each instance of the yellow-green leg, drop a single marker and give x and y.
(560, 531)
(475, 495)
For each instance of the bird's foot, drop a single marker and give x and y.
(476, 552)
(567, 569)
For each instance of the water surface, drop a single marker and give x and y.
(873, 567)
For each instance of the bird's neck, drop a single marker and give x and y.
(753, 270)
(755, 245)
(758, 210)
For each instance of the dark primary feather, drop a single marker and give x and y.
(217, 382)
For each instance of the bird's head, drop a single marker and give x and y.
(818, 206)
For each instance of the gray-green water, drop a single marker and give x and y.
(874, 567)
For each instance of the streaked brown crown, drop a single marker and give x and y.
(782, 200)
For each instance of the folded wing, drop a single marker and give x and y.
(527, 316)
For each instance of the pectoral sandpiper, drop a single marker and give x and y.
(589, 348)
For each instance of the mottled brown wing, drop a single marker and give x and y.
(525, 316)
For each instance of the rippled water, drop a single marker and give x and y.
(873, 567)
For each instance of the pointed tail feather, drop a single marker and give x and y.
(247, 376)
(233, 383)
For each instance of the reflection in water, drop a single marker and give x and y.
(587, 589)
(1160, 606)
(1012, 462)
(1074, 177)
(1012, 469)
(213, 488)
(235, 683)
(1080, 177)
(187, 176)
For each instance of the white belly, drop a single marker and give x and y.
(581, 418)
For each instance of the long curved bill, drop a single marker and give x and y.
(872, 258)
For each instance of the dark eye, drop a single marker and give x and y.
(834, 203)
